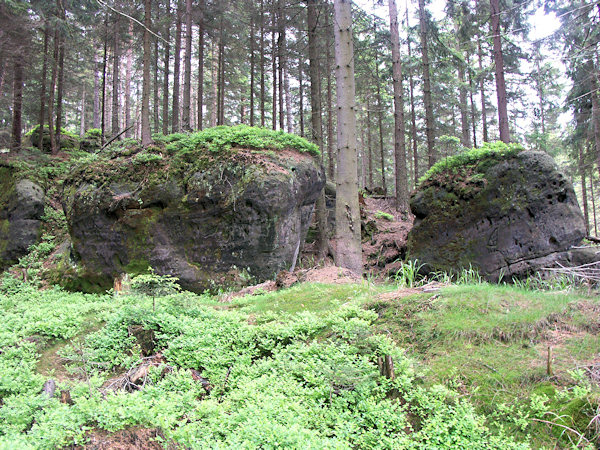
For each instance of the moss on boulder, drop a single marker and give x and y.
(504, 210)
(208, 214)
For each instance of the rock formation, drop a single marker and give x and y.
(505, 214)
(210, 219)
(21, 210)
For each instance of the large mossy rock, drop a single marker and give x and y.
(67, 140)
(21, 210)
(506, 213)
(210, 218)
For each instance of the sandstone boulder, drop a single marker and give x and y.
(210, 219)
(21, 210)
(505, 213)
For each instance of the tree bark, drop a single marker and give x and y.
(82, 116)
(584, 200)
(413, 114)
(61, 77)
(128, 67)
(155, 84)
(315, 115)
(482, 91)
(499, 64)
(146, 134)
(330, 148)
(274, 64)
(281, 60)
(43, 85)
(252, 64)
(115, 81)
(596, 114)
(187, 73)
(17, 105)
(96, 111)
(472, 103)
(262, 64)
(593, 202)
(380, 119)
(104, 64)
(301, 93)
(221, 119)
(369, 145)
(201, 65)
(53, 147)
(215, 84)
(428, 103)
(175, 125)
(348, 252)
(165, 105)
(399, 137)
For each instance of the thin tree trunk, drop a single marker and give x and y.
(146, 135)
(428, 103)
(596, 114)
(104, 64)
(115, 81)
(540, 88)
(347, 213)
(215, 85)
(399, 137)
(82, 118)
(96, 111)
(201, 66)
(281, 59)
(252, 64)
(499, 63)
(274, 65)
(413, 114)
(128, 67)
(222, 75)
(175, 125)
(187, 75)
(167, 56)
(593, 202)
(17, 105)
(289, 116)
(301, 92)
(43, 85)
(472, 103)
(482, 91)
(53, 147)
(155, 99)
(584, 199)
(262, 64)
(380, 120)
(60, 81)
(315, 115)
(369, 145)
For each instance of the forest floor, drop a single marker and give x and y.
(229, 373)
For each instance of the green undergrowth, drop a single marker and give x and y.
(451, 164)
(490, 343)
(295, 369)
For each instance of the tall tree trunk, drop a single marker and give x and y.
(252, 64)
(215, 84)
(593, 202)
(201, 65)
(43, 85)
(428, 103)
(584, 199)
(274, 63)
(539, 87)
(301, 93)
(60, 81)
(262, 64)
(221, 119)
(380, 119)
(187, 72)
(128, 67)
(330, 148)
(146, 134)
(165, 105)
(499, 63)
(115, 81)
(56, 44)
(482, 91)
(281, 59)
(347, 212)
(289, 114)
(82, 117)
(175, 126)
(399, 138)
(472, 103)
(413, 114)
(369, 145)
(596, 114)
(104, 64)
(315, 114)
(17, 106)
(155, 83)
(96, 111)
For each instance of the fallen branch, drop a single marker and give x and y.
(593, 239)
(114, 138)
(581, 437)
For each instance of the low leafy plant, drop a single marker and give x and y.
(384, 215)
(408, 274)
(154, 285)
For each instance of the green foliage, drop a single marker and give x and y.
(222, 138)
(154, 285)
(408, 274)
(309, 381)
(94, 133)
(495, 150)
(384, 215)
